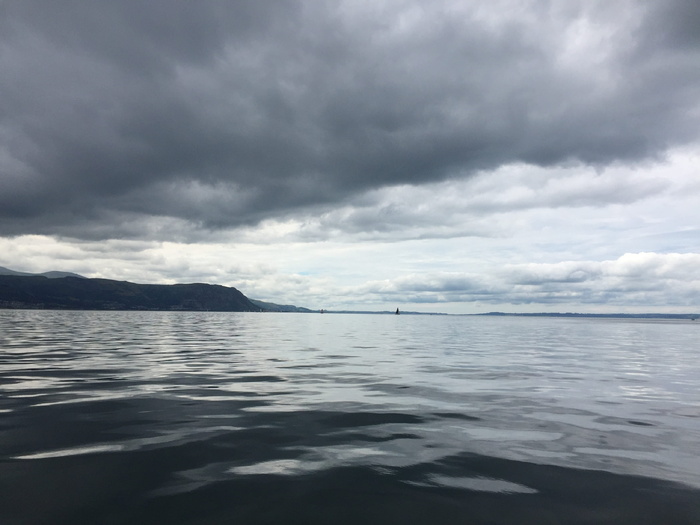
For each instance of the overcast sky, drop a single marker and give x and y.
(452, 156)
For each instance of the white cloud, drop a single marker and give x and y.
(519, 238)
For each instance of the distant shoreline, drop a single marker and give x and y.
(568, 315)
(515, 314)
(603, 315)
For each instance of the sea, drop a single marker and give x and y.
(288, 418)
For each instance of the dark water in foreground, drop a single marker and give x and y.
(208, 418)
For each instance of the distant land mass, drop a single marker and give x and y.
(606, 315)
(272, 307)
(381, 312)
(106, 294)
(50, 275)
(79, 293)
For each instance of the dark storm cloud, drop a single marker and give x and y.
(223, 114)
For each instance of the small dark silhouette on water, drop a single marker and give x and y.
(397, 312)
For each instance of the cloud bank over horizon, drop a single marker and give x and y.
(360, 153)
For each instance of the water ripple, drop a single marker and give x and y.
(481, 405)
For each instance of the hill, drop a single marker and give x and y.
(50, 275)
(80, 293)
(272, 307)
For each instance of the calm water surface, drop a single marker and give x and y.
(204, 418)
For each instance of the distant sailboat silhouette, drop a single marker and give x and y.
(397, 312)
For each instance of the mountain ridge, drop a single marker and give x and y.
(51, 275)
(80, 293)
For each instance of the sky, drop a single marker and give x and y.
(444, 156)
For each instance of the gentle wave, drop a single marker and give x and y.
(156, 405)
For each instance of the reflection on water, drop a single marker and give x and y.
(148, 417)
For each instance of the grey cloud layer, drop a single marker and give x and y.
(223, 114)
(633, 279)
